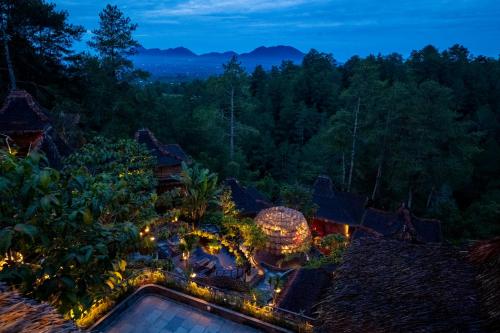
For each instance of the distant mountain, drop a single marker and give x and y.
(280, 51)
(181, 63)
(175, 52)
(227, 54)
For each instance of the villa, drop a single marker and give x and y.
(169, 159)
(388, 285)
(401, 224)
(248, 200)
(26, 127)
(338, 212)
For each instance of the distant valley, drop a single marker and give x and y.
(178, 64)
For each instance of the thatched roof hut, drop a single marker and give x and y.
(335, 206)
(25, 127)
(248, 200)
(393, 286)
(305, 289)
(401, 225)
(286, 229)
(169, 159)
(486, 255)
(21, 314)
(166, 155)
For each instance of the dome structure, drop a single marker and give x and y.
(286, 229)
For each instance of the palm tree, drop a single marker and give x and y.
(200, 190)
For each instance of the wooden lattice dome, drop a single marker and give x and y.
(286, 229)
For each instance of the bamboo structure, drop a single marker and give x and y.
(286, 230)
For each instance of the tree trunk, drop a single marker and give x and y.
(410, 197)
(429, 198)
(382, 156)
(231, 129)
(353, 151)
(343, 171)
(377, 180)
(8, 60)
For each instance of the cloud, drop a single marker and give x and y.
(218, 7)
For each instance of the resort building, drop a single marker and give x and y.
(385, 285)
(248, 200)
(26, 127)
(169, 159)
(402, 225)
(337, 212)
(305, 288)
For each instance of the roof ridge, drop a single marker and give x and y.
(23, 94)
(157, 143)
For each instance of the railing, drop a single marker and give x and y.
(238, 301)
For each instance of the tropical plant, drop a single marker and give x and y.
(299, 198)
(187, 244)
(253, 236)
(333, 242)
(126, 188)
(200, 190)
(54, 227)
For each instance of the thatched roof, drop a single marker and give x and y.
(486, 255)
(29, 128)
(286, 229)
(166, 155)
(335, 206)
(248, 200)
(393, 286)
(21, 314)
(400, 225)
(305, 288)
(21, 113)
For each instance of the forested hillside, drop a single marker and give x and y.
(422, 128)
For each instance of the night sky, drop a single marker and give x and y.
(341, 27)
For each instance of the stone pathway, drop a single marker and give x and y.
(156, 314)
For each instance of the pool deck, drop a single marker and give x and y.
(158, 314)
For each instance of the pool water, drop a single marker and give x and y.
(153, 313)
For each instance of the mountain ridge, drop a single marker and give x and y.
(181, 62)
(277, 50)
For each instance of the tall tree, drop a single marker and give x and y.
(4, 13)
(113, 39)
(233, 80)
(37, 43)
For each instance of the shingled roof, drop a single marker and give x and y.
(21, 113)
(305, 289)
(335, 206)
(21, 314)
(166, 155)
(392, 286)
(248, 200)
(400, 225)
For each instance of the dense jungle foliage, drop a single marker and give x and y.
(422, 129)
